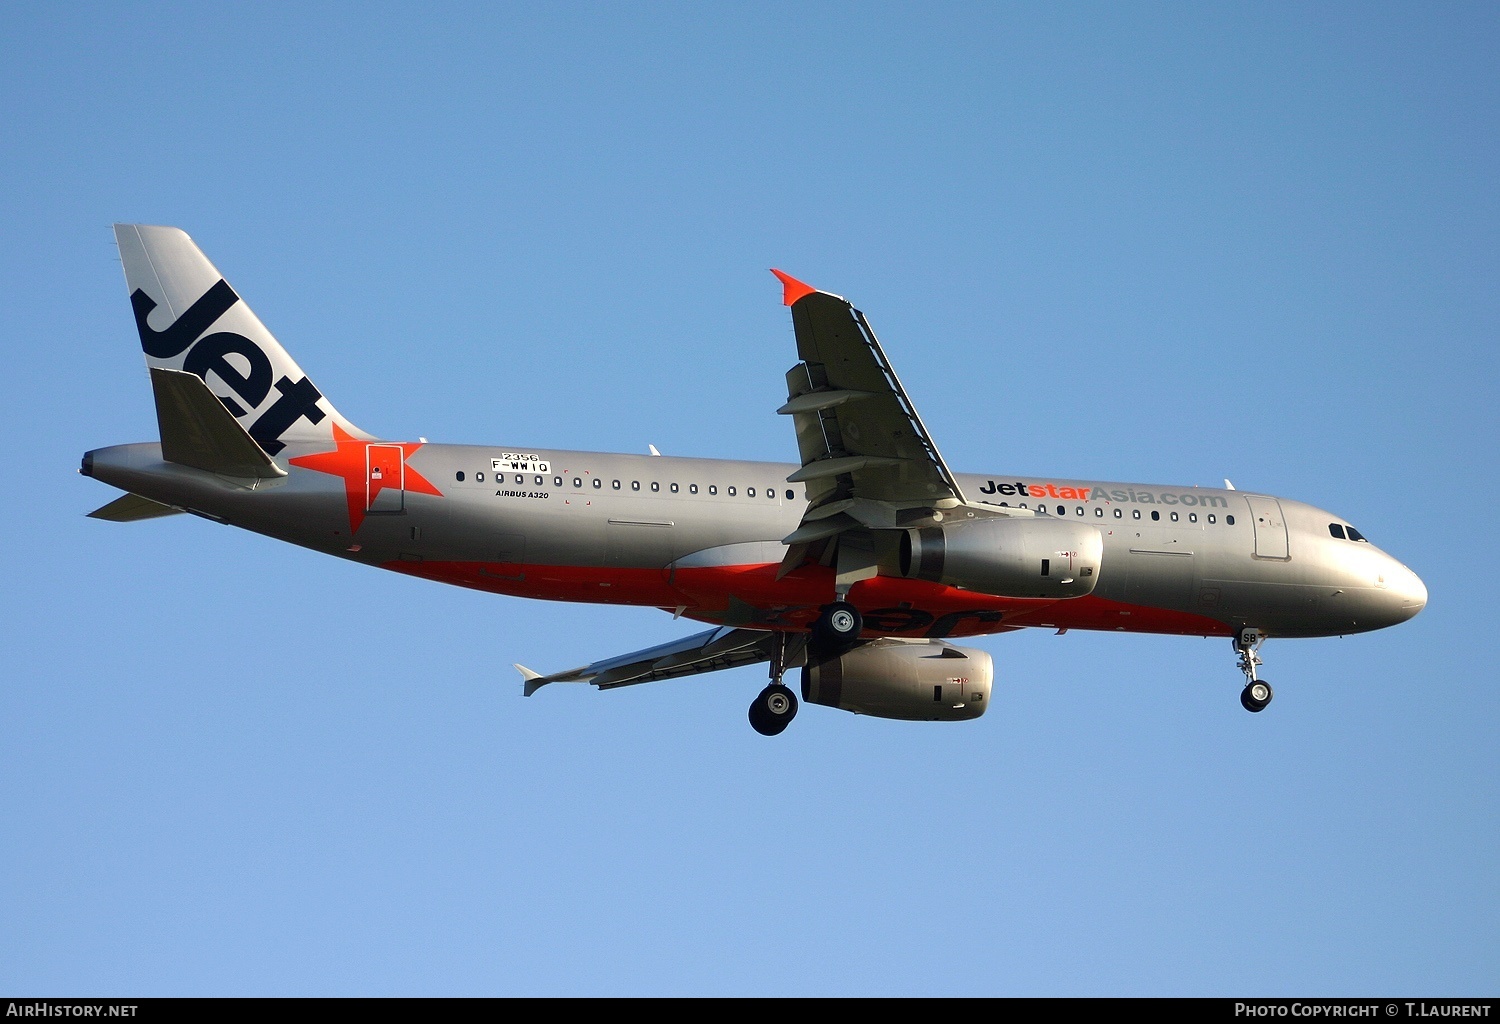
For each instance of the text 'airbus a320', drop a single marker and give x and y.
(856, 565)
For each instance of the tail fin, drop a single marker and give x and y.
(190, 319)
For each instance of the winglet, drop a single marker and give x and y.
(793, 289)
(530, 677)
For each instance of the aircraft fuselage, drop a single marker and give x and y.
(703, 538)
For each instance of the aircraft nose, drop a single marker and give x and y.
(1407, 589)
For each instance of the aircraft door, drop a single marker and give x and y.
(1270, 527)
(385, 478)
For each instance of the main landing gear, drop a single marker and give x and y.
(837, 628)
(1257, 692)
(774, 707)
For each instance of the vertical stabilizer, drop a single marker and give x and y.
(190, 319)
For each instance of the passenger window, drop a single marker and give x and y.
(1212, 518)
(539, 481)
(459, 476)
(692, 488)
(1155, 516)
(789, 495)
(519, 479)
(771, 493)
(713, 488)
(1229, 520)
(1174, 517)
(1061, 511)
(577, 482)
(1099, 512)
(598, 483)
(1356, 535)
(674, 488)
(557, 481)
(1079, 510)
(1192, 517)
(480, 476)
(1337, 531)
(616, 485)
(1135, 513)
(731, 492)
(1119, 513)
(655, 487)
(749, 492)
(635, 485)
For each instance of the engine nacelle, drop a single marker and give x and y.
(1032, 557)
(913, 680)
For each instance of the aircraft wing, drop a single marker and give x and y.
(858, 432)
(715, 649)
(867, 459)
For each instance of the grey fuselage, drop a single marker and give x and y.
(703, 538)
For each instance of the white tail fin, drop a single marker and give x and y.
(190, 319)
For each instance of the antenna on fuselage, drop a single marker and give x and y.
(1227, 484)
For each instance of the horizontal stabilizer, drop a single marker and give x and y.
(198, 431)
(131, 508)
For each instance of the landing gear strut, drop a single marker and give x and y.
(774, 707)
(1257, 692)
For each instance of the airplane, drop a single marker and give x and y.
(856, 565)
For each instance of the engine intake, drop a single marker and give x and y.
(1038, 557)
(910, 680)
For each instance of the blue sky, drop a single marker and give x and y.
(1135, 242)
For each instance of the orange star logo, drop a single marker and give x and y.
(368, 468)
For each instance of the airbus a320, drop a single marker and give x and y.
(856, 566)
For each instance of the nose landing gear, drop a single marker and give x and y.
(1257, 692)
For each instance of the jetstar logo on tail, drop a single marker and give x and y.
(350, 459)
(210, 354)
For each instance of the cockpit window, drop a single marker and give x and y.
(1343, 532)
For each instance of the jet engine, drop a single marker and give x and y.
(912, 680)
(1040, 557)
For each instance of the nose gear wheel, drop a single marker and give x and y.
(1256, 696)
